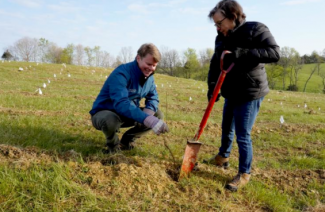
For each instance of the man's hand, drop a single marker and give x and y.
(157, 125)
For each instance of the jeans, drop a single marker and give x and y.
(239, 117)
(110, 123)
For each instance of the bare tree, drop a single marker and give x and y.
(169, 62)
(106, 59)
(126, 54)
(205, 56)
(26, 49)
(79, 56)
(118, 61)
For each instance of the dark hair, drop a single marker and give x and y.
(231, 9)
(149, 48)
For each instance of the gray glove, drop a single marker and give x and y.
(157, 125)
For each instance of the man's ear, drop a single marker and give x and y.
(138, 58)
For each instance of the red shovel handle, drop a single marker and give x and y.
(221, 61)
(214, 95)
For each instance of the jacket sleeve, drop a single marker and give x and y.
(266, 49)
(212, 75)
(118, 93)
(152, 99)
(214, 69)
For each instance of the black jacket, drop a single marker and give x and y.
(252, 45)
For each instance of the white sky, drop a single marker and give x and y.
(176, 24)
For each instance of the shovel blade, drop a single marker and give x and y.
(189, 159)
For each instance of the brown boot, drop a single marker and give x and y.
(239, 180)
(219, 161)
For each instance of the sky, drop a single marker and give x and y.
(175, 24)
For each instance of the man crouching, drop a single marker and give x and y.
(118, 102)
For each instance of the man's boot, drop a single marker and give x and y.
(112, 149)
(127, 142)
(219, 161)
(239, 180)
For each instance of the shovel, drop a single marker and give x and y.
(193, 146)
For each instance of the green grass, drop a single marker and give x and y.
(51, 157)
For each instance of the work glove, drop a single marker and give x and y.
(148, 111)
(228, 59)
(236, 53)
(217, 99)
(211, 88)
(157, 125)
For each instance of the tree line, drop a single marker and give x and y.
(187, 64)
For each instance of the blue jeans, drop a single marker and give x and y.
(239, 117)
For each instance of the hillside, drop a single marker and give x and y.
(314, 85)
(51, 157)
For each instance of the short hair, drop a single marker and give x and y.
(231, 9)
(149, 48)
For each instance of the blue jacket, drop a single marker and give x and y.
(124, 89)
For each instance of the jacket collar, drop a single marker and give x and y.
(236, 27)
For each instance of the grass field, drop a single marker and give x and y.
(314, 85)
(51, 157)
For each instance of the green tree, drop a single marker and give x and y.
(7, 55)
(313, 70)
(295, 65)
(43, 47)
(291, 63)
(67, 54)
(89, 54)
(191, 63)
(274, 72)
(54, 53)
(97, 57)
(205, 58)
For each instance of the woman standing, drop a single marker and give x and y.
(251, 45)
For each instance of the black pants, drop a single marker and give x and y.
(110, 123)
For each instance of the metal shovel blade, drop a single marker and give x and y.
(189, 159)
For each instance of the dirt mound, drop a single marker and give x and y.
(134, 173)
(22, 158)
(290, 180)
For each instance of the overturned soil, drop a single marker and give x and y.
(134, 175)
